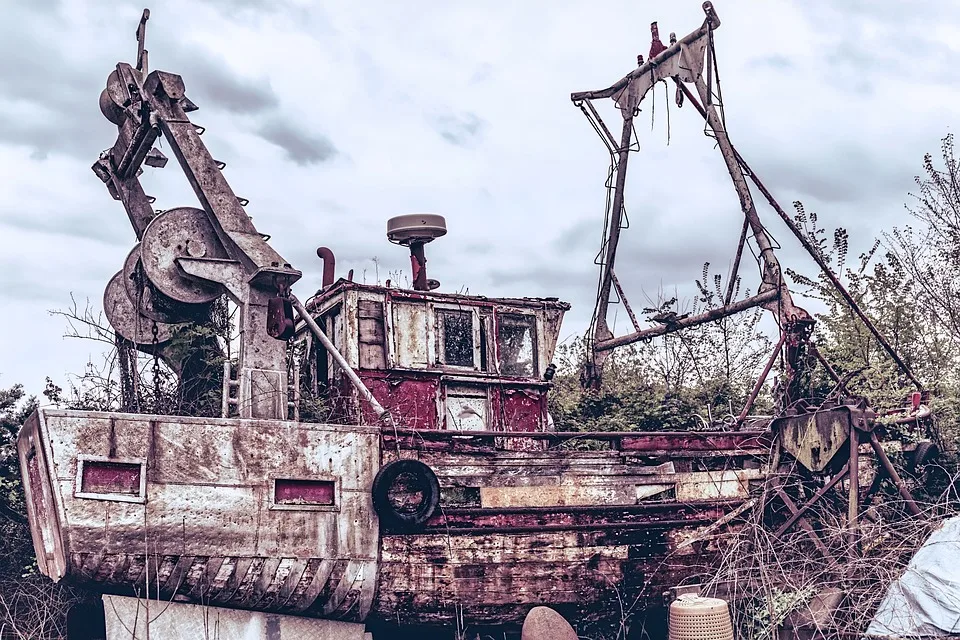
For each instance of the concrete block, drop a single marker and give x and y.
(126, 619)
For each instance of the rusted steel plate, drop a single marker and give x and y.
(815, 438)
(523, 409)
(236, 511)
(411, 399)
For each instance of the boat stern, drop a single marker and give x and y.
(43, 510)
(264, 515)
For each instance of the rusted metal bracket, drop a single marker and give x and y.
(142, 65)
(892, 472)
(853, 496)
(758, 385)
(797, 512)
(683, 62)
(798, 517)
(735, 269)
(624, 301)
(627, 94)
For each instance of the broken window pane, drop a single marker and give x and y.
(332, 323)
(466, 408)
(516, 343)
(457, 329)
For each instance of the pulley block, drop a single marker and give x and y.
(280, 322)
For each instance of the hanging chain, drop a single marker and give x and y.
(156, 368)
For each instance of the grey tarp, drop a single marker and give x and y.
(925, 600)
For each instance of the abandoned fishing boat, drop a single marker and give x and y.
(435, 488)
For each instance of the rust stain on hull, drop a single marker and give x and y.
(277, 516)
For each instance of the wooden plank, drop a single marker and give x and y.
(370, 309)
(371, 331)
(554, 495)
(372, 356)
(370, 335)
(437, 592)
(462, 550)
(704, 485)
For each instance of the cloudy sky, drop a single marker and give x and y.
(333, 117)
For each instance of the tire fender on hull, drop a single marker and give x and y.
(406, 477)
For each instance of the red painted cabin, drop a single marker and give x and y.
(435, 360)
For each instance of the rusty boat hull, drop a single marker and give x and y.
(277, 515)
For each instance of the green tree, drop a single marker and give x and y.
(31, 606)
(881, 290)
(697, 378)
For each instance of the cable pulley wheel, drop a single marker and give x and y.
(112, 98)
(125, 320)
(145, 297)
(181, 232)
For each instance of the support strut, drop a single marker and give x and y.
(811, 250)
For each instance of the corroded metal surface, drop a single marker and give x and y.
(184, 231)
(412, 400)
(814, 439)
(570, 529)
(277, 516)
(125, 320)
(207, 524)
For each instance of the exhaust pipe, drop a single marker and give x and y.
(329, 265)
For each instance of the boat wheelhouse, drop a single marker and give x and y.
(434, 360)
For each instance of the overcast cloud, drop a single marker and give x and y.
(333, 117)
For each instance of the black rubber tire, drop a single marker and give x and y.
(925, 453)
(396, 520)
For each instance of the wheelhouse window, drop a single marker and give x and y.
(467, 407)
(517, 345)
(456, 337)
(328, 372)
